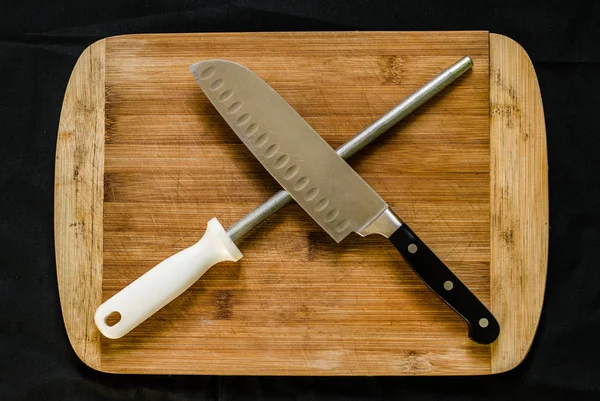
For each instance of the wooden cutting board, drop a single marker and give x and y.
(143, 162)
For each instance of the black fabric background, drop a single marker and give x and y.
(39, 44)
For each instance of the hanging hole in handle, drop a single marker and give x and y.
(112, 319)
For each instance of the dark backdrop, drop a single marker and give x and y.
(39, 44)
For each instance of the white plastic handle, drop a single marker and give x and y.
(166, 281)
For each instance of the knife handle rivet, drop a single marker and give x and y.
(448, 285)
(412, 248)
(483, 322)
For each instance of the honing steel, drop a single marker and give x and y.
(167, 280)
(323, 184)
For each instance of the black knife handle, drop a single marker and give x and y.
(483, 326)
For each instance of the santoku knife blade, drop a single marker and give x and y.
(323, 184)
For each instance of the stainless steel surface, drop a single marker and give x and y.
(385, 224)
(258, 215)
(399, 112)
(299, 159)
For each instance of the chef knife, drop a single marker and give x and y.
(323, 184)
(160, 285)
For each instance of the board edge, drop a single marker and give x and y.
(78, 202)
(519, 201)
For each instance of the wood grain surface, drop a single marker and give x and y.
(297, 303)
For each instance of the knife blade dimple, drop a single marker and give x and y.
(321, 182)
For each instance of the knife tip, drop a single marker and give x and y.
(204, 69)
(196, 67)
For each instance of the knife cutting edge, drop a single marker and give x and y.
(167, 280)
(324, 185)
